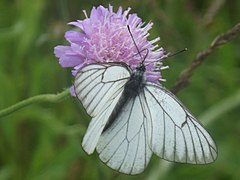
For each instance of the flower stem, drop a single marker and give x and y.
(52, 98)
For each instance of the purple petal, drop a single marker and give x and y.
(72, 91)
(70, 60)
(75, 37)
(67, 58)
(60, 50)
(77, 24)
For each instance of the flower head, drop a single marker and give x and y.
(104, 37)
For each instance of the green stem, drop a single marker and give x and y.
(52, 98)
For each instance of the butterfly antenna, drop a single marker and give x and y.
(174, 54)
(136, 45)
(146, 54)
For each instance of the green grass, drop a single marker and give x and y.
(43, 141)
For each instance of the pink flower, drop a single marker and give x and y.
(104, 37)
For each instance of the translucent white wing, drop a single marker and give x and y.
(96, 84)
(98, 87)
(173, 133)
(124, 145)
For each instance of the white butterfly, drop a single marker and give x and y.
(133, 118)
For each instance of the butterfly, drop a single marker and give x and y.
(132, 118)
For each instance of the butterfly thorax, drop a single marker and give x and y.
(136, 82)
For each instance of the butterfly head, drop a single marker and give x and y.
(141, 67)
(139, 74)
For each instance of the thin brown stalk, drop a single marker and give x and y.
(183, 79)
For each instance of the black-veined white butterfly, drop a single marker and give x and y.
(133, 118)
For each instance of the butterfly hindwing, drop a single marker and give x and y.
(123, 146)
(174, 134)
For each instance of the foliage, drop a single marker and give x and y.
(43, 141)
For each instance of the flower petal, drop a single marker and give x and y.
(75, 37)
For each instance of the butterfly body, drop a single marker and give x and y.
(133, 86)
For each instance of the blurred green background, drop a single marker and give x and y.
(43, 141)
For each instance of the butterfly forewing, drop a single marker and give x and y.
(97, 84)
(98, 87)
